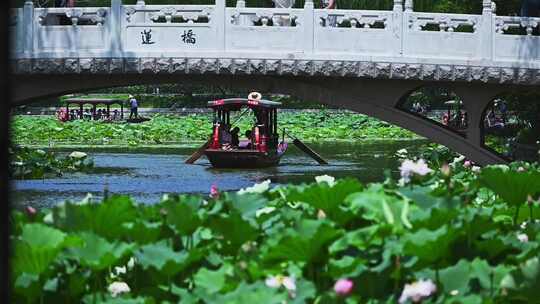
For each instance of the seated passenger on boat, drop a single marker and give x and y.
(235, 141)
(246, 144)
(226, 137)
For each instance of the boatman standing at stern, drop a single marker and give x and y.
(134, 107)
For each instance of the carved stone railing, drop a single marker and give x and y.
(276, 17)
(443, 22)
(454, 35)
(516, 39)
(347, 32)
(265, 29)
(354, 19)
(69, 30)
(517, 26)
(169, 14)
(169, 27)
(351, 41)
(77, 16)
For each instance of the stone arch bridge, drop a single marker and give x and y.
(364, 60)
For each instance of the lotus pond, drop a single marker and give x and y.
(146, 173)
(456, 234)
(319, 126)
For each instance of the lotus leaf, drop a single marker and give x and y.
(37, 248)
(183, 215)
(234, 229)
(97, 253)
(306, 243)
(512, 186)
(164, 259)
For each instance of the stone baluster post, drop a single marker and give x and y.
(308, 24)
(240, 4)
(486, 31)
(28, 28)
(397, 28)
(409, 6)
(140, 17)
(409, 10)
(116, 29)
(398, 5)
(220, 23)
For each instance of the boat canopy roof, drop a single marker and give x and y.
(94, 101)
(235, 104)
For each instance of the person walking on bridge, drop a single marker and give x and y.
(64, 3)
(134, 107)
(283, 20)
(331, 21)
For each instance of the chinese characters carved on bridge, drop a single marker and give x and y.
(147, 37)
(189, 37)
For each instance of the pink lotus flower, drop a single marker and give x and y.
(409, 168)
(30, 211)
(277, 281)
(417, 291)
(523, 238)
(343, 287)
(467, 164)
(214, 191)
(445, 169)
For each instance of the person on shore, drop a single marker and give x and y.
(134, 105)
(530, 8)
(417, 108)
(463, 119)
(87, 115)
(503, 108)
(445, 119)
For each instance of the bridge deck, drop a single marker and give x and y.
(400, 44)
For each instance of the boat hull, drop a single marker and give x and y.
(242, 158)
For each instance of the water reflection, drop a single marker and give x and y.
(147, 175)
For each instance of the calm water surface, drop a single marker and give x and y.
(146, 175)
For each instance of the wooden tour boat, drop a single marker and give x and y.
(261, 148)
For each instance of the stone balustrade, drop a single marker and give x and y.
(400, 43)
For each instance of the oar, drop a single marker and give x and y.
(199, 152)
(298, 143)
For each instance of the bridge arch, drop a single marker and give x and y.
(372, 97)
(438, 104)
